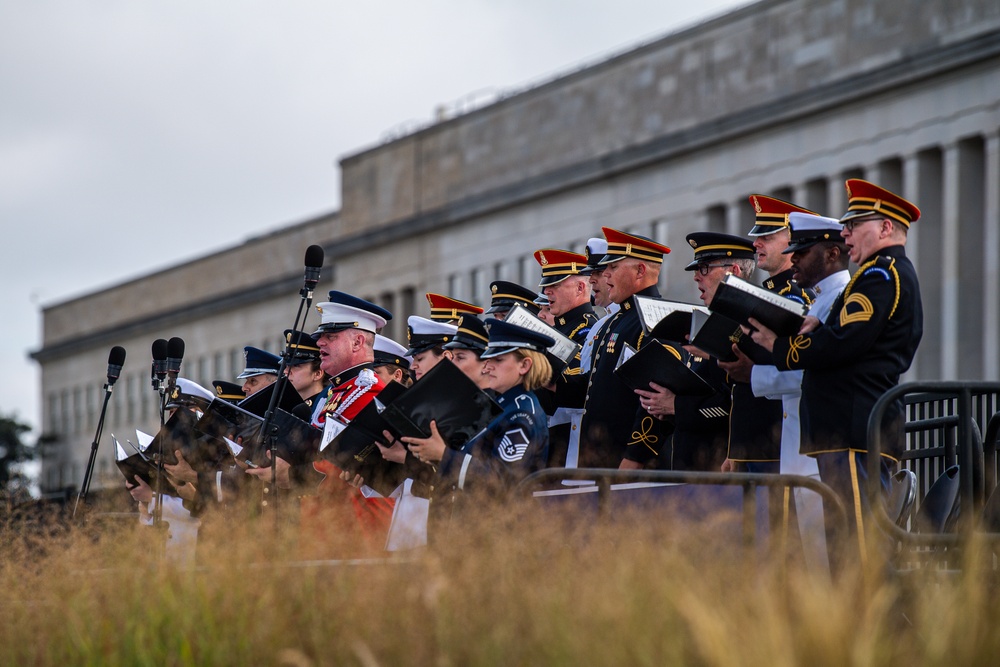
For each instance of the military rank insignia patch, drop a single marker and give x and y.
(513, 446)
(857, 308)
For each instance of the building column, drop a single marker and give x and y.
(800, 195)
(733, 217)
(950, 279)
(991, 259)
(836, 196)
(911, 190)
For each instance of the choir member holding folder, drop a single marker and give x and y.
(514, 444)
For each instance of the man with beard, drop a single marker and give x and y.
(757, 419)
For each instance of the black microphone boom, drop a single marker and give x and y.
(160, 357)
(116, 359)
(314, 262)
(175, 353)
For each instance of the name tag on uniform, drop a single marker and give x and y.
(331, 430)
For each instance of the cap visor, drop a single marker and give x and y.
(491, 352)
(764, 230)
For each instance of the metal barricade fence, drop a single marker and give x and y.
(604, 478)
(945, 423)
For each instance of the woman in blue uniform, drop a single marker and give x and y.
(516, 442)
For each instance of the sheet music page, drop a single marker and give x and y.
(764, 295)
(564, 347)
(651, 310)
(331, 430)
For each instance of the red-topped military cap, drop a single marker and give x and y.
(446, 309)
(558, 265)
(622, 245)
(865, 198)
(772, 214)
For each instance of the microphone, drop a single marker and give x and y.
(115, 362)
(159, 361)
(314, 262)
(175, 353)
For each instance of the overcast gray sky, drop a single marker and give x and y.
(134, 135)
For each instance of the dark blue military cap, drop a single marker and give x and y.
(711, 246)
(472, 334)
(505, 295)
(258, 362)
(506, 337)
(228, 391)
(302, 346)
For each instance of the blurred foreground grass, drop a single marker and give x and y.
(514, 588)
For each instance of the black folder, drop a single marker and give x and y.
(355, 450)
(257, 402)
(715, 334)
(447, 396)
(674, 327)
(137, 464)
(659, 363)
(297, 440)
(740, 300)
(369, 422)
(180, 432)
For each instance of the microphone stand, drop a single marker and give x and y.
(158, 510)
(268, 428)
(88, 474)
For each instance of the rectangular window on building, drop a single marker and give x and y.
(715, 218)
(477, 285)
(130, 391)
(816, 196)
(407, 306)
(784, 193)
(455, 285)
(52, 418)
(388, 301)
(235, 364)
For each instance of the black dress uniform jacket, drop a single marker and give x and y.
(576, 325)
(701, 423)
(755, 427)
(867, 341)
(614, 425)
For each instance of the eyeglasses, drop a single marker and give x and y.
(851, 224)
(705, 269)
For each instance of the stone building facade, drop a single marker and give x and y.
(782, 97)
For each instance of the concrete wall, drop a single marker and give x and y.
(741, 61)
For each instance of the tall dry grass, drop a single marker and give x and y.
(512, 587)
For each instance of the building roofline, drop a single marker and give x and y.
(906, 71)
(256, 238)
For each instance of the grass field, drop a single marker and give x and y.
(510, 588)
